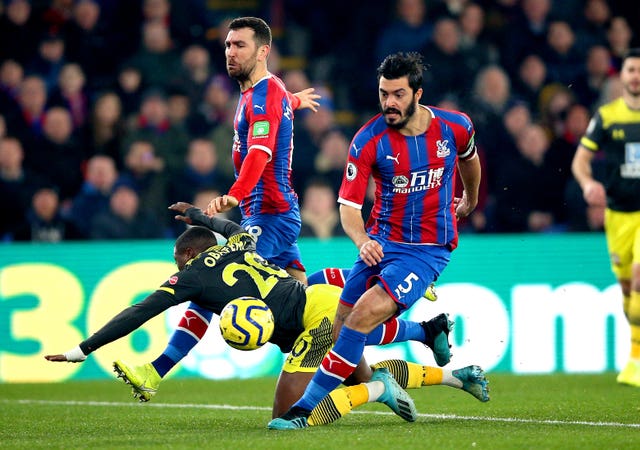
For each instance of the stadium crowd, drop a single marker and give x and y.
(110, 110)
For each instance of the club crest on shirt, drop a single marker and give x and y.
(173, 280)
(443, 149)
(400, 181)
(351, 172)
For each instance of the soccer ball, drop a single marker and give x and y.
(246, 323)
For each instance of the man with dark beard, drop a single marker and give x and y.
(413, 152)
(615, 130)
(263, 147)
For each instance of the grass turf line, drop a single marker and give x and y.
(551, 411)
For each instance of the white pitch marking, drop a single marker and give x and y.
(266, 408)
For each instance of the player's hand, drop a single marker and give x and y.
(371, 252)
(594, 193)
(57, 358)
(308, 99)
(221, 204)
(74, 355)
(181, 207)
(463, 206)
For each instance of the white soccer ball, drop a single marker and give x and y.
(246, 323)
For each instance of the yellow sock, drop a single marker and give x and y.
(635, 342)
(633, 314)
(433, 376)
(334, 406)
(408, 375)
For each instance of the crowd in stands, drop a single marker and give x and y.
(110, 110)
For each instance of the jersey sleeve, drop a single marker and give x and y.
(264, 116)
(465, 139)
(361, 159)
(226, 228)
(593, 136)
(128, 320)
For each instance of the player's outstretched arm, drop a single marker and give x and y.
(191, 215)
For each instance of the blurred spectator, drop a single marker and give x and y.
(19, 32)
(17, 186)
(129, 88)
(296, 80)
(106, 128)
(598, 68)
(89, 43)
(332, 158)
(93, 198)
(490, 97)
(57, 14)
(45, 222)
(200, 171)
(308, 139)
(408, 32)
(319, 212)
(126, 218)
(195, 72)
(515, 118)
(26, 124)
(477, 48)
(611, 89)
(49, 60)
(144, 172)
(531, 79)
(619, 36)
(554, 103)
(212, 109)
(222, 137)
(561, 151)
(217, 45)
(186, 20)
(153, 125)
(592, 30)
(526, 199)
(57, 154)
(11, 75)
(157, 58)
(526, 33)
(71, 93)
(178, 107)
(565, 60)
(447, 65)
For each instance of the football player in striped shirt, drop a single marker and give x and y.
(413, 153)
(263, 147)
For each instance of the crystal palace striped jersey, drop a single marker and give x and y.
(264, 122)
(414, 177)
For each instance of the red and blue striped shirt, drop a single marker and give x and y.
(264, 122)
(414, 177)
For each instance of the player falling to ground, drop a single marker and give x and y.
(211, 275)
(263, 147)
(615, 130)
(412, 152)
(195, 322)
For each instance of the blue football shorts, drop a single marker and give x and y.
(405, 273)
(277, 238)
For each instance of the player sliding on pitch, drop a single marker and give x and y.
(211, 275)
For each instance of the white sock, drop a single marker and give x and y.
(376, 389)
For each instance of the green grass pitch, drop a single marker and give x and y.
(550, 411)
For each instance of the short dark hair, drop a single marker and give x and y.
(259, 27)
(631, 53)
(198, 238)
(401, 65)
